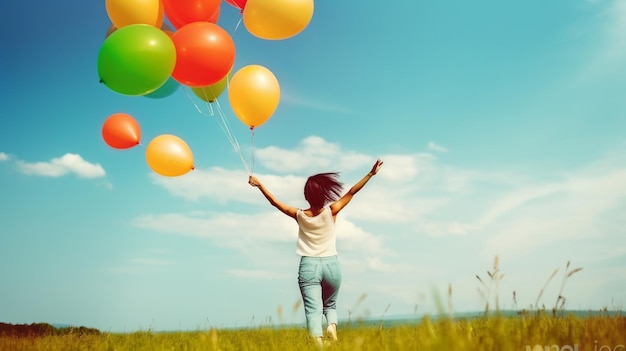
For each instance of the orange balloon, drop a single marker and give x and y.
(125, 12)
(254, 94)
(168, 155)
(277, 19)
(121, 131)
(205, 53)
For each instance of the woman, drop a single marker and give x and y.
(319, 276)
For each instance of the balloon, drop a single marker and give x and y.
(239, 4)
(121, 131)
(168, 155)
(216, 16)
(164, 27)
(165, 90)
(182, 12)
(254, 94)
(125, 12)
(112, 28)
(136, 59)
(212, 92)
(205, 53)
(277, 19)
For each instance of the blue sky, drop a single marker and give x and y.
(501, 125)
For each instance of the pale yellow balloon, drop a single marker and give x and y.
(125, 12)
(168, 155)
(254, 94)
(277, 19)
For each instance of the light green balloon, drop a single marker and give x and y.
(136, 59)
(213, 91)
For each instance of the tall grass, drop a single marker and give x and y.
(599, 333)
(536, 331)
(491, 287)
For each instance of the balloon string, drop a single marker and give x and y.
(231, 137)
(252, 149)
(237, 26)
(192, 101)
(223, 123)
(221, 119)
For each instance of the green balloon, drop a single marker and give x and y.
(136, 59)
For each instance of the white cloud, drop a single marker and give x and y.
(313, 154)
(616, 48)
(4, 157)
(547, 214)
(517, 197)
(229, 230)
(215, 183)
(66, 164)
(609, 54)
(435, 147)
(225, 186)
(254, 233)
(403, 168)
(355, 238)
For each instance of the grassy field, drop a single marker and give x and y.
(536, 332)
(536, 329)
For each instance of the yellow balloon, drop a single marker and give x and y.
(277, 19)
(254, 94)
(125, 12)
(168, 155)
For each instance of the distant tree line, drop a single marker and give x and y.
(41, 329)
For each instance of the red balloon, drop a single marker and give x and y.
(182, 12)
(205, 53)
(121, 131)
(240, 4)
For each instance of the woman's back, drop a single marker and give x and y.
(316, 234)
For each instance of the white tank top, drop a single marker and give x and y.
(316, 237)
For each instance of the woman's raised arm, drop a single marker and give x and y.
(286, 209)
(345, 199)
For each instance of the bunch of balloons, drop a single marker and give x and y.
(166, 154)
(143, 56)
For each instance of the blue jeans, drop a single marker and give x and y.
(319, 279)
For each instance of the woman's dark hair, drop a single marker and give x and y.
(322, 188)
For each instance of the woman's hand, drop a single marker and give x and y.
(252, 180)
(376, 167)
(284, 208)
